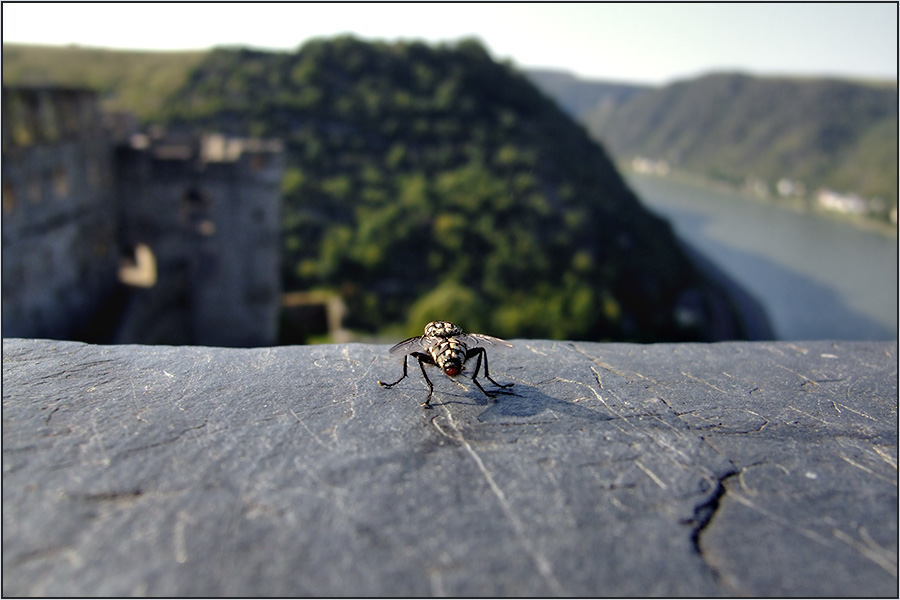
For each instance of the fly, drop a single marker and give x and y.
(447, 347)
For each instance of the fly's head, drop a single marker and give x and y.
(452, 367)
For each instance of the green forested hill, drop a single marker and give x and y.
(431, 182)
(728, 127)
(126, 80)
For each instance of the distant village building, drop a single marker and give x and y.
(756, 186)
(649, 166)
(156, 240)
(790, 188)
(855, 205)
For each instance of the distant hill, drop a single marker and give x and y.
(730, 127)
(582, 97)
(432, 182)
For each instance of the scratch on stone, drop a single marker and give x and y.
(870, 549)
(862, 414)
(346, 352)
(753, 491)
(806, 414)
(441, 430)
(541, 562)
(137, 405)
(651, 475)
(672, 449)
(180, 546)
(885, 457)
(706, 383)
(866, 469)
(593, 391)
(806, 380)
(50, 415)
(437, 584)
(618, 503)
(743, 484)
(308, 430)
(600, 398)
(69, 553)
(609, 367)
(812, 535)
(190, 381)
(105, 460)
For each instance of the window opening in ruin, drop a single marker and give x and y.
(139, 271)
(9, 199)
(100, 249)
(60, 183)
(93, 173)
(34, 190)
(195, 200)
(20, 121)
(68, 116)
(195, 208)
(258, 162)
(47, 117)
(47, 261)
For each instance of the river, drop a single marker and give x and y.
(817, 278)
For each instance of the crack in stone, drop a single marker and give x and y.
(705, 511)
(703, 516)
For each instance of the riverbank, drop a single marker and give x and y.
(797, 205)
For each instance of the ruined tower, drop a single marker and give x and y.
(209, 210)
(59, 218)
(200, 217)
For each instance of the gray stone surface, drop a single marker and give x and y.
(727, 469)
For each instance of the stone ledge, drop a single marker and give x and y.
(754, 468)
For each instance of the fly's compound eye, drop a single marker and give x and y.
(452, 370)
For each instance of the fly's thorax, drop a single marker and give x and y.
(442, 329)
(449, 354)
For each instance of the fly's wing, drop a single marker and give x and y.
(473, 340)
(407, 346)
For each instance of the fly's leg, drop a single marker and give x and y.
(390, 385)
(486, 373)
(481, 352)
(423, 360)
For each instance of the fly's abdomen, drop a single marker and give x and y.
(449, 354)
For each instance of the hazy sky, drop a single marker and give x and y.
(648, 43)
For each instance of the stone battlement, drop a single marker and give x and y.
(751, 468)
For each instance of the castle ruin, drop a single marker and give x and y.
(145, 239)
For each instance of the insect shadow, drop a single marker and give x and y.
(527, 403)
